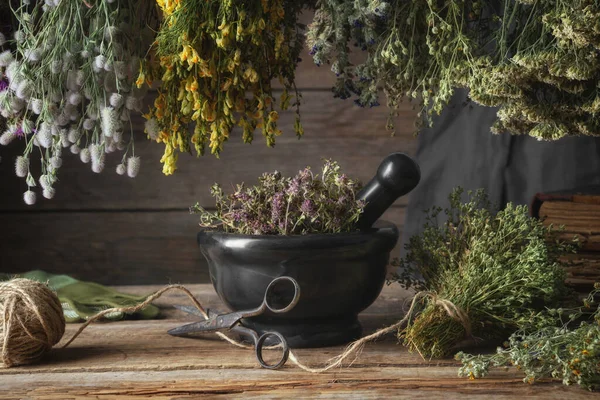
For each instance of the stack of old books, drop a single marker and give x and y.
(578, 211)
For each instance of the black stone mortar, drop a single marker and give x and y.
(339, 274)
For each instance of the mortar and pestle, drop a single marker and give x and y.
(340, 274)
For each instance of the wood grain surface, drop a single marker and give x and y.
(138, 360)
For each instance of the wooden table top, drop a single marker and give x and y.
(139, 360)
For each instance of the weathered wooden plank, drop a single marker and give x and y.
(335, 129)
(111, 247)
(137, 359)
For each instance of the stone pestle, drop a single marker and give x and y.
(396, 176)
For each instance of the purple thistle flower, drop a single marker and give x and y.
(307, 208)
(3, 85)
(19, 132)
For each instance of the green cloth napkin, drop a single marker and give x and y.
(80, 300)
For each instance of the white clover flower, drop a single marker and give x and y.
(132, 103)
(33, 55)
(74, 98)
(16, 105)
(85, 156)
(29, 197)
(116, 100)
(79, 78)
(56, 162)
(74, 115)
(63, 119)
(44, 135)
(19, 37)
(133, 166)
(75, 149)
(108, 66)
(48, 192)
(22, 166)
(96, 152)
(99, 62)
(24, 89)
(110, 121)
(73, 134)
(110, 148)
(98, 166)
(2, 39)
(7, 137)
(88, 124)
(121, 169)
(117, 137)
(47, 181)
(6, 58)
(152, 128)
(64, 138)
(36, 106)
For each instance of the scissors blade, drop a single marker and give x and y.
(194, 311)
(217, 323)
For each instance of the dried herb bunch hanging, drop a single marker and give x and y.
(486, 275)
(217, 60)
(536, 60)
(569, 350)
(70, 84)
(279, 205)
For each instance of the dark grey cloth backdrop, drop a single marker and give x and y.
(460, 150)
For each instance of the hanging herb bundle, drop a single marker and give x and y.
(279, 205)
(217, 60)
(569, 352)
(70, 84)
(484, 274)
(538, 61)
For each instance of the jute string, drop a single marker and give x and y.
(32, 322)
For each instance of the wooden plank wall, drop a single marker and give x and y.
(116, 230)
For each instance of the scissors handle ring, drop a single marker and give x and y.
(260, 343)
(271, 287)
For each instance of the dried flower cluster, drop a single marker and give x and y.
(569, 352)
(68, 83)
(217, 60)
(487, 275)
(279, 205)
(536, 60)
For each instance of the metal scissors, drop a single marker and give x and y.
(231, 321)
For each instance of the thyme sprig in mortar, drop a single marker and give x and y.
(278, 205)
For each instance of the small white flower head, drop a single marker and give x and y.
(125, 115)
(98, 166)
(116, 100)
(48, 193)
(36, 142)
(7, 137)
(73, 135)
(36, 106)
(33, 55)
(110, 33)
(74, 115)
(54, 128)
(85, 156)
(28, 126)
(44, 135)
(56, 66)
(2, 39)
(110, 121)
(25, 89)
(121, 169)
(15, 80)
(74, 98)
(56, 162)
(79, 78)
(6, 58)
(117, 136)
(16, 105)
(12, 69)
(22, 166)
(132, 103)
(63, 119)
(99, 62)
(47, 181)
(96, 152)
(152, 128)
(19, 37)
(88, 124)
(29, 197)
(85, 53)
(75, 149)
(133, 166)
(110, 148)
(64, 139)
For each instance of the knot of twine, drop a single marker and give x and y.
(33, 322)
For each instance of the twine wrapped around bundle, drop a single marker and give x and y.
(32, 321)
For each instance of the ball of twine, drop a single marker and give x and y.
(32, 321)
